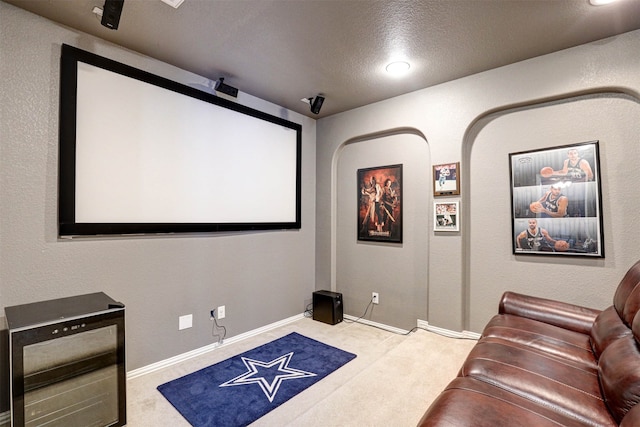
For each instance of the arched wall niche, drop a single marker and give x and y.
(397, 271)
(609, 115)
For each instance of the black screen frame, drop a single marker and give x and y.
(67, 224)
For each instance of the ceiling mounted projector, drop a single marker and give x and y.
(222, 87)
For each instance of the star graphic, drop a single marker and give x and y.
(277, 370)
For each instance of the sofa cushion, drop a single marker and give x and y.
(564, 315)
(469, 402)
(565, 388)
(548, 339)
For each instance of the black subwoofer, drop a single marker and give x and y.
(327, 307)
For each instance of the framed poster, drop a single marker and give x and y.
(446, 179)
(380, 204)
(446, 216)
(556, 201)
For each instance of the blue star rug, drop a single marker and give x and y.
(241, 389)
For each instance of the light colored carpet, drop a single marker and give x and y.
(391, 382)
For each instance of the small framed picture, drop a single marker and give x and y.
(446, 216)
(446, 179)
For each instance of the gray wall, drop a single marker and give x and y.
(261, 277)
(586, 93)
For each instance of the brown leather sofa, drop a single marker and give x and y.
(541, 362)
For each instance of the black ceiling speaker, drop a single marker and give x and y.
(111, 13)
(316, 104)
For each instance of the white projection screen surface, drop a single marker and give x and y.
(142, 154)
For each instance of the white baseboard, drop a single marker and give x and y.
(202, 350)
(423, 324)
(376, 324)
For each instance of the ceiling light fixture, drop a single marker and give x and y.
(398, 67)
(600, 2)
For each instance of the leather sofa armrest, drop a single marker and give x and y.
(557, 313)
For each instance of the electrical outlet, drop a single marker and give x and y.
(185, 322)
(375, 298)
(221, 312)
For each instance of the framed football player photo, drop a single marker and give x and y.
(446, 216)
(556, 201)
(446, 179)
(380, 204)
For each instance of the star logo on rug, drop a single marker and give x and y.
(268, 375)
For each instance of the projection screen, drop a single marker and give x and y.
(143, 154)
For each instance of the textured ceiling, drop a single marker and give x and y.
(285, 50)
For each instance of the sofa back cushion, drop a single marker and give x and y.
(628, 286)
(632, 305)
(615, 322)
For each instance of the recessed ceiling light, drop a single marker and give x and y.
(398, 67)
(600, 2)
(173, 3)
